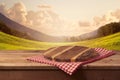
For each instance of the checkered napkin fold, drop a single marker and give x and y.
(71, 67)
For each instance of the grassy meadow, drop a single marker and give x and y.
(8, 42)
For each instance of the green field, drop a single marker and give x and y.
(8, 42)
(109, 42)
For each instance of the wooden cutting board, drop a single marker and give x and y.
(70, 53)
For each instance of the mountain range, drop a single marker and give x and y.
(13, 28)
(105, 30)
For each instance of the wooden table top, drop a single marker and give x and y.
(17, 60)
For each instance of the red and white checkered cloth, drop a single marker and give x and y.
(71, 67)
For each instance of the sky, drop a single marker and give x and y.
(62, 17)
(72, 9)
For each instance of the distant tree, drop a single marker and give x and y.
(109, 29)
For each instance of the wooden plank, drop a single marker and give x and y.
(21, 51)
(31, 75)
(96, 74)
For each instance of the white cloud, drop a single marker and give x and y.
(111, 16)
(84, 24)
(3, 8)
(18, 13)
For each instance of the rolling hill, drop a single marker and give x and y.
(108, 29)
(103, 31)
(8, 42)
(110, 42)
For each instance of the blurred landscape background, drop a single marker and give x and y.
(47, 23)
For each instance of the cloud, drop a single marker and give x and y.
(84, 24)
(111, 16)
(18, 13)
(3, 8)
(45, 20)
(44, 6)
(116, 14)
